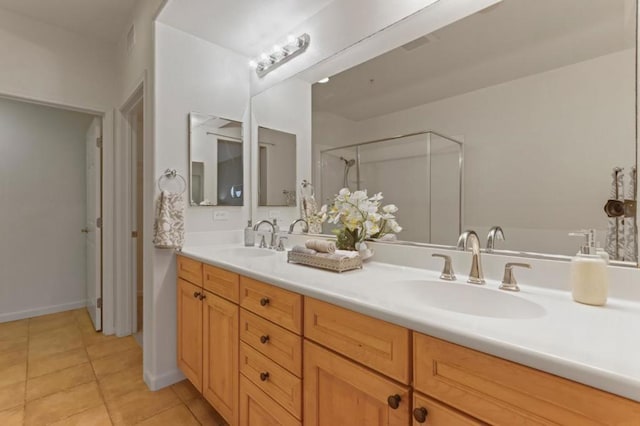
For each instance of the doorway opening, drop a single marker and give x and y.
(52, 156)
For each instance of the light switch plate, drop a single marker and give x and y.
(220, 215)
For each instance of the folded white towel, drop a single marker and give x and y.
(321, 246)
(348, 253)
(303, 250)
(168, 228)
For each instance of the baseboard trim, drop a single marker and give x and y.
(163, 380)
(36, 312)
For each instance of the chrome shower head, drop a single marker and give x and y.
(348, 163)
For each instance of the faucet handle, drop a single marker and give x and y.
(263, 242)
(447, 271)
(509, 282)
(281, 244)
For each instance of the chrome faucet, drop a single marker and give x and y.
(495, 233)
(274, 235)
(295, 222)
(466, 238)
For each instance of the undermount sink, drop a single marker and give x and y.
(250, 252)
(467, 299)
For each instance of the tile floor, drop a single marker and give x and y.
(56, 370)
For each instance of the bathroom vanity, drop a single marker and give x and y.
(291, 345)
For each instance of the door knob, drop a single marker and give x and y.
(264, 339)
(264, 301)
(264, 376)
(85, 230)
(394, 401)
(420, 414)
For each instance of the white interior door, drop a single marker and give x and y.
(93, 229)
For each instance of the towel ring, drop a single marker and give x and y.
(172, 174)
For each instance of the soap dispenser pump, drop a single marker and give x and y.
(588, 276)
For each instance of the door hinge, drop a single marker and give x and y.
(99, 222)
(134, 234)
(99, 142)
(99, 303)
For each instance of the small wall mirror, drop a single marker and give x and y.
(215, 161)
(276, 168)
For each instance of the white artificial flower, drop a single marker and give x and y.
(390, 208)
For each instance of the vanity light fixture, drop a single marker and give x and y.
(280, 54)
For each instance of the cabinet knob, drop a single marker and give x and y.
(264, 301)
(394, 401)
(264, 376)
(420, 414)
(203, 296)
(196, 294)
(264, 339)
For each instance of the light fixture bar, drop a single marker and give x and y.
(268, 62)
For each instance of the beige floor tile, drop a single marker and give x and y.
(85, 324)
(62, 404)
(51, 322)
(122, 382)
(12, 396)
(178, 415)
(62, 339)
(55, 362)
(103, 349)
(96, 416)
(185, 390)
(51, 383)
(91, 338)
(12, 417)
(13, 374)
(13, 344)
(117, 362)
(9, 359)
(134, 407)
(205, 414)
(14, 329)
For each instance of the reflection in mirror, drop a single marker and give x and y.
(421, 172)
(216, 161)
(276, 168)
(544, 104)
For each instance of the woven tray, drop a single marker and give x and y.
(334, 265)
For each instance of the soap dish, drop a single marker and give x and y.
(335, 265)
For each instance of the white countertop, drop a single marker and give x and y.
(597, 346)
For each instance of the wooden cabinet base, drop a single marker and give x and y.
(340, 392)
(190, 332)
(257, 409)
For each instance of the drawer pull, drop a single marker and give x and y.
(264, 376)
(394, 401)
(264, 339)
(420, 414)
(264, 301)
(196, 294)
(203, 296)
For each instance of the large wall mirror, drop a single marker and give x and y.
(216, 161)
(538, 96)
(276, 168)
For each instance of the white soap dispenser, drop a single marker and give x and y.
(589, 276)
(249, 235)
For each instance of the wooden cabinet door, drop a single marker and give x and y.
(190, 332)
(257, 409)
(220, 355)
(340, 392)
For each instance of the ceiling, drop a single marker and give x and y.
(507, 41)
(245, 26)
(104, 20)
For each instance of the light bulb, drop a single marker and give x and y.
(253, 64)
(264, 57)
(291, 39)
(323, 80)
(276, 48)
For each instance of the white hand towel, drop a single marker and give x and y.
(321, 246)
(168, 228)
(303, 250)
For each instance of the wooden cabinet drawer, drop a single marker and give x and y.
(257, 409)
(340, 392)
(275, 381)
(377, 344)
(282, 346)
(429, 412)
(190, 270)
(502, 392)
(275, 304)
(223, 283)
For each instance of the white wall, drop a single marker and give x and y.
(50, 64)
(43, 209)
(190, 75)
(546, 127)
(285, 107)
